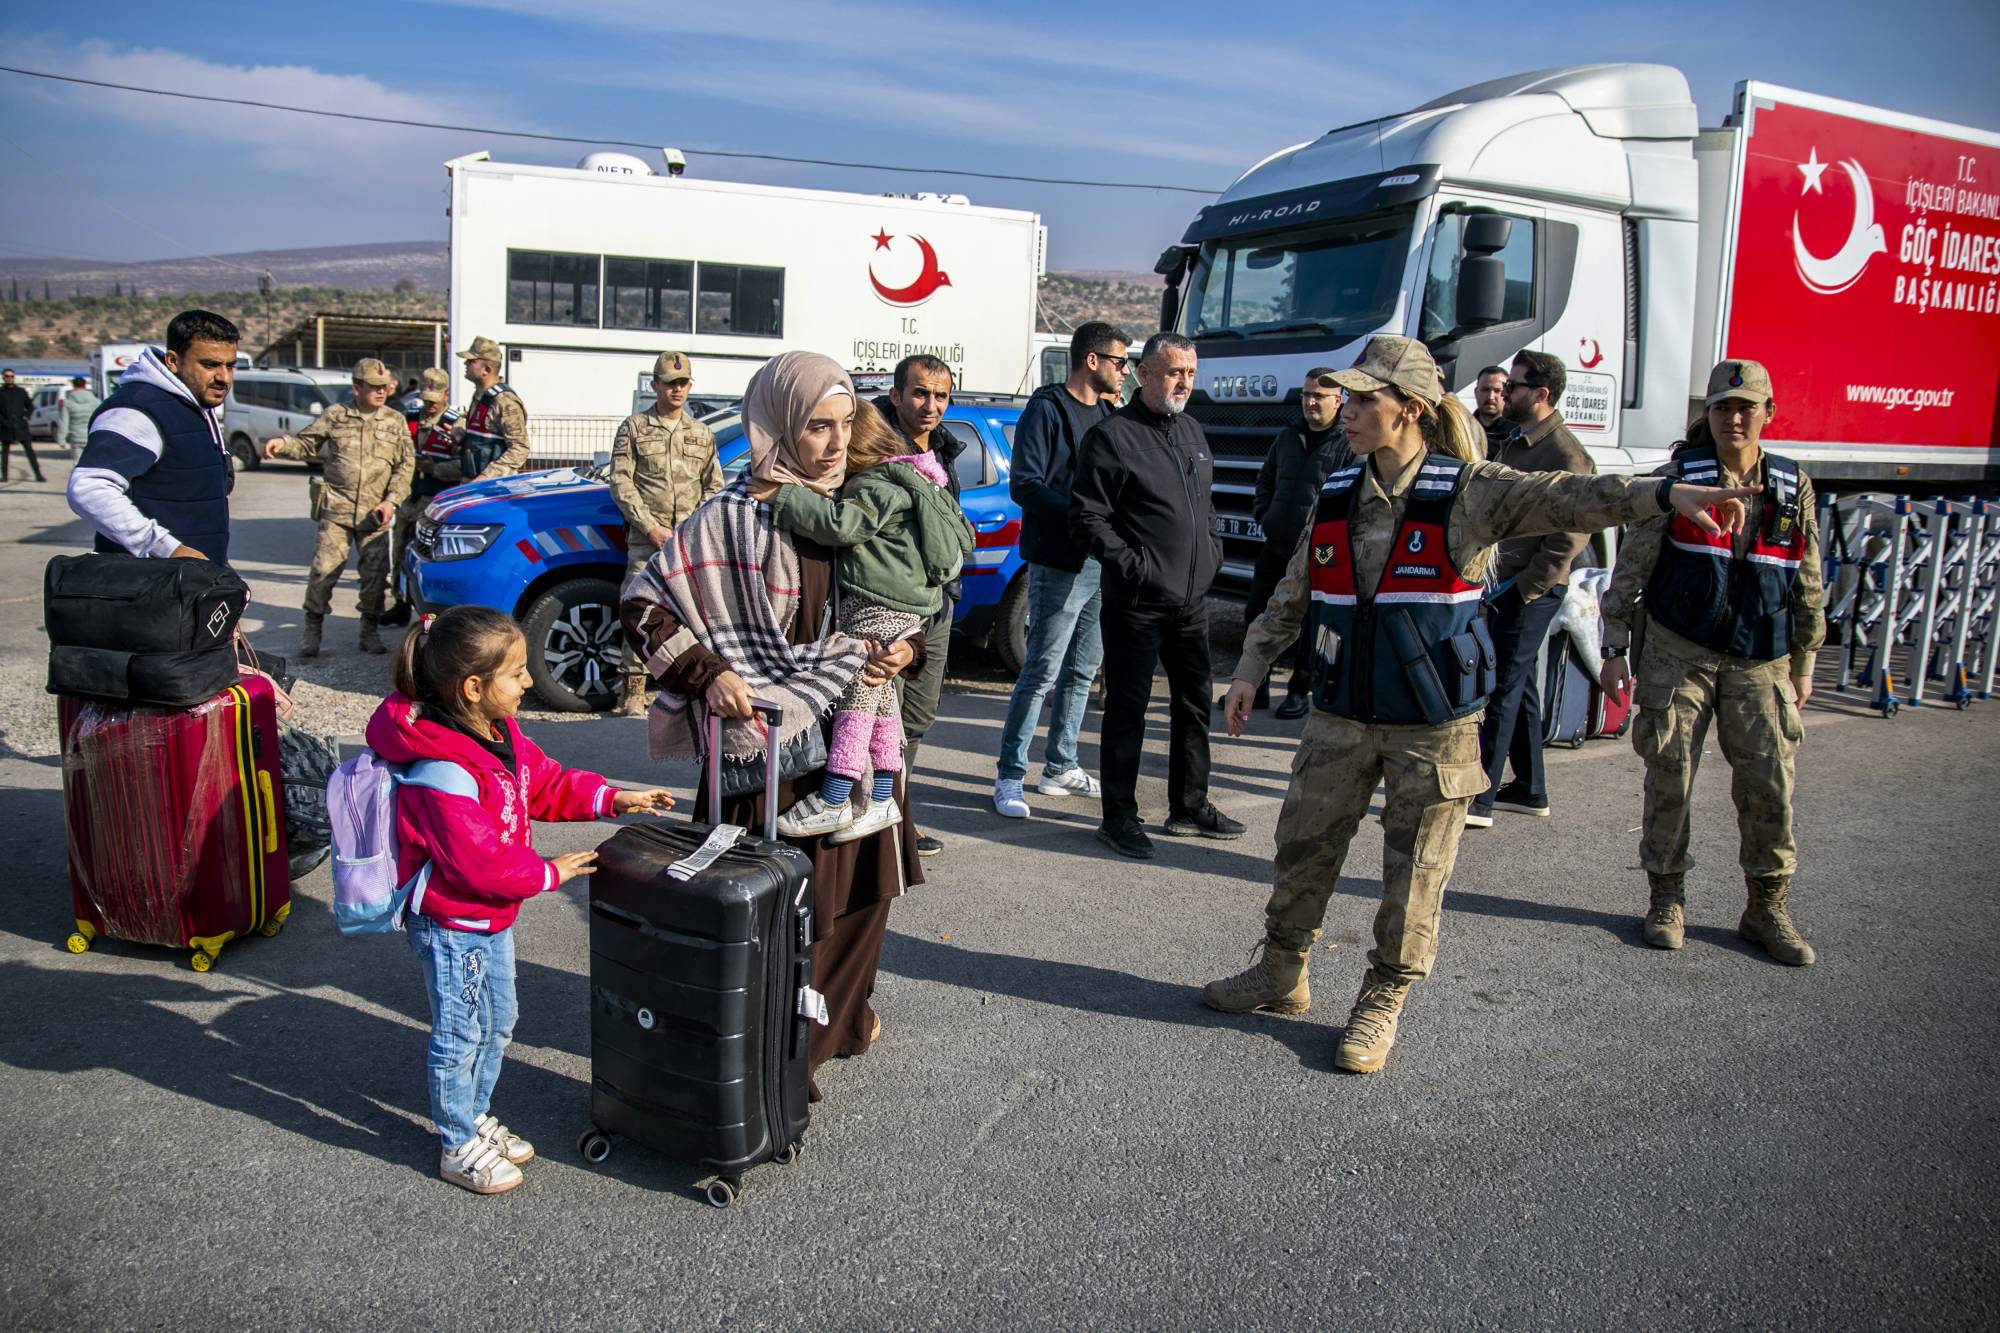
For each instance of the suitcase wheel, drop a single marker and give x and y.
(594, 1146)
(201, 961)
(725, 1191)
(788, 1154)
(80, 939)
(1576, 741)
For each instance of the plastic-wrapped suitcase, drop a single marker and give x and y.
(701, 992)
(175, 821)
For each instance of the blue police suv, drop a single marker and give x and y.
(548, 548)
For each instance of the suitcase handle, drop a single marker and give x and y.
(268, 800)
(773, 717)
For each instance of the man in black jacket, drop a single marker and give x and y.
(1064, 643)
(1143, 505)
(1295, 466)
(915, 410)
(16, 406)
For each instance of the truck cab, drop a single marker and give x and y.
(1555, 211)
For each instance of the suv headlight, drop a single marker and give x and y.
(462, 541)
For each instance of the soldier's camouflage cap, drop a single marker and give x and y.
(482, 349)
(673, 366)
(1747, 380)
(436, 386)
(1401, 363)
(373, 373)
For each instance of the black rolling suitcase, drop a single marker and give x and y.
(701, 994)
(1567, 693)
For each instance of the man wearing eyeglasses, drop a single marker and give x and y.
(366, 462)
(1065, 646)
(1530, 576)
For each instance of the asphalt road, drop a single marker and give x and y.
(1574, 1131)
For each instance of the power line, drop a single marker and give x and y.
(615, 143)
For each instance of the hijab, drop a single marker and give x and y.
(781, 399)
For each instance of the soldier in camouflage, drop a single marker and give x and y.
(1387, 578)
(494, 433)
(364, 454)
(663, 466)
(1730, 634)
(434, 437)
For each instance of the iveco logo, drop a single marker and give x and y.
(1243, 386)
(1390, 182)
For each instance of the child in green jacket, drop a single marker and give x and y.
(904, 538)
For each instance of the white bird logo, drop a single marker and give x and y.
(1842, 269)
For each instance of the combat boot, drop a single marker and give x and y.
(1766, 922)
(397, 615)
(1275, 982)
(631, 698)
(371, 637)
(309, 636)
(1371, 1025)
(1665, 925)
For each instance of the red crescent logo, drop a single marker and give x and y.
(927, 282)
(1596, 353)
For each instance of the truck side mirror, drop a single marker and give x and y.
(1486, 233)
(1482, 289)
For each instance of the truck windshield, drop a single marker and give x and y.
(1340, 281)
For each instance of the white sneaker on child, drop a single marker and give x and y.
(1072, 782)
(874, 819)
(811, 817)
(479, 1166)
(511, 1145)
(1008, 800)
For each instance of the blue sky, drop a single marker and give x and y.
(1179, 93)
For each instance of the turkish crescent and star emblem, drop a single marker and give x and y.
(1842, 269)
(922, 287)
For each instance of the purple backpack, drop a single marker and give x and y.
(361, 808)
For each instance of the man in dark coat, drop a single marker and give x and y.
(16, 406)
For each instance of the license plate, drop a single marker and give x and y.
(1235, 525)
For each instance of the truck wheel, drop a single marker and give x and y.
(245, 453)
(1010, 624)
(576, 651)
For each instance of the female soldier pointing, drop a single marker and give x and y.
(1388, 581)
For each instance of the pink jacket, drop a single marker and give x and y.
(483, 858)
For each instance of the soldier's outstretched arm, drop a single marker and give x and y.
(1497, 502)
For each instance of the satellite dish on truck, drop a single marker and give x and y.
(614, 164)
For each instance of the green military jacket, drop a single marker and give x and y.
(662, 468)
(365, 458)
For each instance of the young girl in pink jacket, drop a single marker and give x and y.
(458, 683)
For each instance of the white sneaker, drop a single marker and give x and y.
(511, 1145)
(811, 817)
(1075, 782)
(1008, 800)
(874, 819)
(479, 1166)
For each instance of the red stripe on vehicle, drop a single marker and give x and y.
(569, 539)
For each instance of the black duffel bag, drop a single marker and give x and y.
(141, 631)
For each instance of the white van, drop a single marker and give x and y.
(47, 413)
(264, 403)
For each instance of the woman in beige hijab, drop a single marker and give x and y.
(735, 607)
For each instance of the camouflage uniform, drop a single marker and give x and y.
(662, 469)
(1431, 772)
(496, 413)
(434, 427)
(366, 459)
(1682, 686)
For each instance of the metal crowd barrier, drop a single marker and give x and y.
(566, 441)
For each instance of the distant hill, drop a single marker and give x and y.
(414, 265)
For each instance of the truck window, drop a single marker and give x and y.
(548, 288)
(1338, 280)
(1055, 365)
(1440, 314)
(649, 294)
(736, 298)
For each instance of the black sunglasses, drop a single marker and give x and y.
(1119, 361)
(1512, 385)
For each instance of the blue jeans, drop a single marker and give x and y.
(470, 977)
(1065, 647)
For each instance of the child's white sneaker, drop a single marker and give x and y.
(877, 817)
(511, 1145)
(812, 817)
(480, 1167)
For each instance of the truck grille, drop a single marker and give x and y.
(1239, 435)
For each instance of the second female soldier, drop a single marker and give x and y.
(1389, 584)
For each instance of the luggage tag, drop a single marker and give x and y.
(720, 839)
(813, 1005)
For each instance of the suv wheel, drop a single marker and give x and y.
(1010, 624)
(245, 452)
(576, 650)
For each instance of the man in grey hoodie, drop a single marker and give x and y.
(79, 404)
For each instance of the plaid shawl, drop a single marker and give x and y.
(732, 580)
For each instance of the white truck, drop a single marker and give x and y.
(1585, 213)
(109, 362)
(583, 275)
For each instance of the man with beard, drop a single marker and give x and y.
(1489, 402)
(1143, 504)
(1530, 576)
